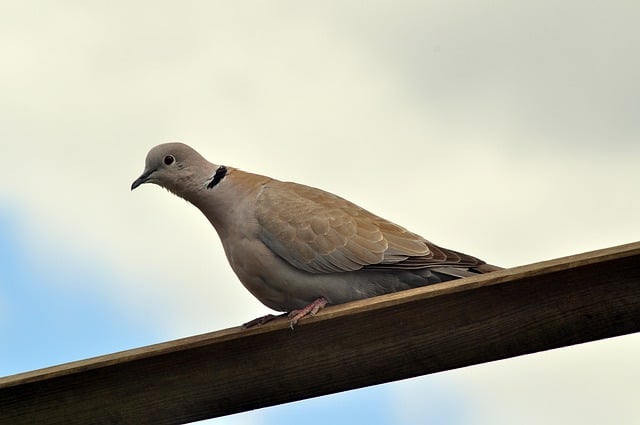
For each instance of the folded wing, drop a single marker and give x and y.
(319, 232)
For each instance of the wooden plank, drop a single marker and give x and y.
(455, 324)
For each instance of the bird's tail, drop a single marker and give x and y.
(448, 272)
(486, 268)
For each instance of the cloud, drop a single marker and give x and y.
(500, 129)
(52, 314)
(556, 386)
(559, 72)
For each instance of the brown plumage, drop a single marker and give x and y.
(295, 246)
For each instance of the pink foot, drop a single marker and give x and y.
(309, 310)
(261, 320)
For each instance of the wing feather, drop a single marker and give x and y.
(319, 232)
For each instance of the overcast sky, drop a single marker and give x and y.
(504, 129)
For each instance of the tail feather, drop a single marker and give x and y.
(460, 272)
(453, 272)
(486, 268)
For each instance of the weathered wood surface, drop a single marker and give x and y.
(508, 313)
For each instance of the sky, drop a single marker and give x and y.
(503, 129)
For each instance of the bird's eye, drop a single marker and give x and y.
(168, 160)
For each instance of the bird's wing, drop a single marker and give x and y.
(319, 232)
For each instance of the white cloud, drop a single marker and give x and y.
(500, 129)
(578, 384)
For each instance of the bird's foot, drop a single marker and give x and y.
(309, 310)
(261, 320)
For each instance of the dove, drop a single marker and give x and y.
(297, 248)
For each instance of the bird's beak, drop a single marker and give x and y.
(142, 179)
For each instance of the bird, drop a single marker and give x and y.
(297, 248)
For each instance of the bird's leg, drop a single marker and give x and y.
(309, 310)
(262, 320)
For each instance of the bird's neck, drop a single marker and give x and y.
(226, 203)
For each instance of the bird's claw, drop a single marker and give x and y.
(261, 320)
(310, 310)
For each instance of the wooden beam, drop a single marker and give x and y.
(431, 329)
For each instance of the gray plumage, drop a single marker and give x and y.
(291, 244)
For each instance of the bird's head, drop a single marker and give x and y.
(176, 167)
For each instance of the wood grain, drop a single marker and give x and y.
(455, 324)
